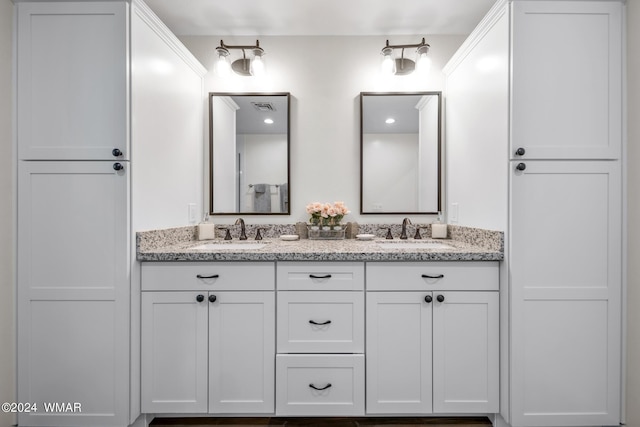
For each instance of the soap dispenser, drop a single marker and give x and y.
(438, 229)
(206, 230)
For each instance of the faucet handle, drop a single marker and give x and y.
(227, 235)
(258, 235)
(389, 236)
(417, 235)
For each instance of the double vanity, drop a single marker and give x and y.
(320, 327)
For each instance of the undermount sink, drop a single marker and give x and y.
(226, 245)
(413, 244)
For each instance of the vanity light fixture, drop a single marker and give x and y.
(403, 66)
(244, 66)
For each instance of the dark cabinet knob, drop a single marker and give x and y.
(212, 298)
(428, 299)
(200, 298)
(116, 152)
(521, 166)
(440, 298)
(118, 166)
(520, 151)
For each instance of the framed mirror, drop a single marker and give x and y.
(249, 153)
(400, 153)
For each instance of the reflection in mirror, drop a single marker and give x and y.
(249, 153)
(400, 153)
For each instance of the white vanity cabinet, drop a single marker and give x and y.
(554, 108)
(208, 338)
(432, 337)
(320, 361)
(89, 98)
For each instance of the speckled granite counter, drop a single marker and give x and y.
(178, 245)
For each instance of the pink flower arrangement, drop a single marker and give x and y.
(327, 213)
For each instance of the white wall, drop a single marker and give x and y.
(224, 116)
(325, 76)
(478, 151)
(391, 177)
(633, 214)
(264, 162)
(428, 156)
(166, 122)
(7, 209)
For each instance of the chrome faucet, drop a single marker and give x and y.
(403, 235)
(243, 230)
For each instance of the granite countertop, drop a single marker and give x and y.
(276, 249)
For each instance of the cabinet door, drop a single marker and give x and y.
(72, 80)
(465, 352)
(242, 352)
(565, 267)
(398, 353)
(174, 352)
(567, 79)
(73, 291)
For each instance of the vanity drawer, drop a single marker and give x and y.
(206, 276)
(426, 276)
(320, 322)
(338, 381)
(321, 276)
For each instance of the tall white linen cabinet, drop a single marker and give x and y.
(109, 103)
(534, 119)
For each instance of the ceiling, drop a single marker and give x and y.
(251, 121)
(402, 108)
(320, 18)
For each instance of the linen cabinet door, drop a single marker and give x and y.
(242, 352)
(566, 278)
(567, 106)
(399, 353)
(465, 352)
(72, 80)
(73, 291)
(174, 352)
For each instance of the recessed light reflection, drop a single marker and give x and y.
(268, 121)
(390, 120)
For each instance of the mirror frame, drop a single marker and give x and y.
(439, 171)
(210, 155)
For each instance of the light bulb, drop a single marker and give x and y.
(222, 66)
(388, 66)
(257, 66)
(423, 62)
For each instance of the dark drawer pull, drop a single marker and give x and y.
(214, 276)
(439, 276)
(326, 276)
(313, 322)
(321, 388)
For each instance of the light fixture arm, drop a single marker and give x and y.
(242, 47)
(407, 46)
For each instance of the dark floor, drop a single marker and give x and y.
(323, 422)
